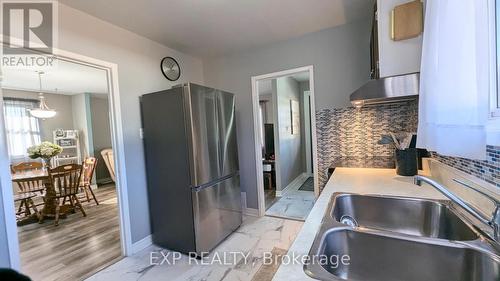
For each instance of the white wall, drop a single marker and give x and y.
(61, 103)
(395, 57)
(341, 60)
(290, 161)
(138, 60)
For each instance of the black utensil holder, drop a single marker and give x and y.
(406, 162)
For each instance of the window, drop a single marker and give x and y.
(23, 130)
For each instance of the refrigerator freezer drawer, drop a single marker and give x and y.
(217, 213)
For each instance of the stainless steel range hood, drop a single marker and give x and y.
(387, 90)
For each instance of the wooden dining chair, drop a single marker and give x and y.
(27, 187)
(89, 165)
(25, 198)
(107, 156)
(28, 190)
(66, 181)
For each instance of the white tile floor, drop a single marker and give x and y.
(294, 204)
(253, 238)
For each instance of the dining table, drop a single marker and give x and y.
(50, 202)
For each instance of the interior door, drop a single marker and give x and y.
(228, 147)
(204, 134)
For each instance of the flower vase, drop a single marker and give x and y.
(46, 163)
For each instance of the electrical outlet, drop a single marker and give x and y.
(141, 133)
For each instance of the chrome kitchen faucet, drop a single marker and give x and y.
(493, 222)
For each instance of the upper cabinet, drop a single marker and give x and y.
(394, 57)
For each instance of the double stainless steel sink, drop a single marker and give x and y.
(400, 239)
(403, 215)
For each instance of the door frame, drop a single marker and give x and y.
(117, 140)
(306, 95)
(257, 134)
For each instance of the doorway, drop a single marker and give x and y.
(105, 230)
(285, 142)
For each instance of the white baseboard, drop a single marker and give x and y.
(243, 200)
(296, 183)
(142, 244)
(247, 211)
(251, 212)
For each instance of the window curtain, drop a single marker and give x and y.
(454, 82)
(23, 130)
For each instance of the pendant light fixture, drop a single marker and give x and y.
(43, 111)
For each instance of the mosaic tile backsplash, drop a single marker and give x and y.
(488, 170)
(347, 137)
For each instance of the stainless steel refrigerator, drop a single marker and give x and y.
(192, 167)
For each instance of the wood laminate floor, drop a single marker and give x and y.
(78, 247)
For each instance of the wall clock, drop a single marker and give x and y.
(170, 68)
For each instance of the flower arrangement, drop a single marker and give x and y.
(46, 150)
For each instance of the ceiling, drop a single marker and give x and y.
(64, 78)
(266, 88)
(208, 28)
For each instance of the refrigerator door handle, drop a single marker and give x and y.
(209, 184)
(203, 133)
(189, 131)
(220, 127)
(228, 149)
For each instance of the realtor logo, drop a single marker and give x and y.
(27, 25)
(29, 34)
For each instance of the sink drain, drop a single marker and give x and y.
(350, 221)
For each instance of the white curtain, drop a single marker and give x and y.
(454, 86)
(23, 130)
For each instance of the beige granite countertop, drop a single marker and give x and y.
(352, 180)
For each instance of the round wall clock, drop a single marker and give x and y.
(170, 68)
